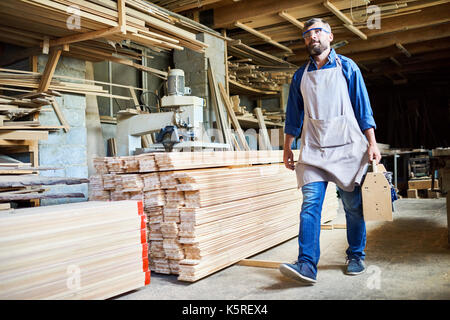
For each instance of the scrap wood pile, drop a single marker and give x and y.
(20, 132)
(20, 112)
(85, 250)
(95, 30)
(207, 210)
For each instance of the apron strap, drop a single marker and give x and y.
(303, 79)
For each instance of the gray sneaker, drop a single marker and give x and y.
(355, 266)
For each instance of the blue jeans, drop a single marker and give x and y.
(309, 233)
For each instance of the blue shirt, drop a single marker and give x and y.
(356, 90)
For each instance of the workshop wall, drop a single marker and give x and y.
(65, 150)
(412, 116)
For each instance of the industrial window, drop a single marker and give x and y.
(115, 73)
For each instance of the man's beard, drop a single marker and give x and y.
(316, 50)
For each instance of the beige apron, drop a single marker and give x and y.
(333, 148)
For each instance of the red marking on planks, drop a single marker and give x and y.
(143, 236)
(145, 265)
(140, 208)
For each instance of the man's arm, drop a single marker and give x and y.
(288, 155)
(294, 118)
(363, 111)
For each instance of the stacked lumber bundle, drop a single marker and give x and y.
(88, 250)
(199, 220)
(221, 225)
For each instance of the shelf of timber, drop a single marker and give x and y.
(208, 210)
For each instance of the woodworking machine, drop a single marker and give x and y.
(179, 125)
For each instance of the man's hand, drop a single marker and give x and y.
(288, 159)
(374, 153)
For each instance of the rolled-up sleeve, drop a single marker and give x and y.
(360, 98)
(295, 107)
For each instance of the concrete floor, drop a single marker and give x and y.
(408, 258)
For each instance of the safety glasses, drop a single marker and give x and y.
(314, 31)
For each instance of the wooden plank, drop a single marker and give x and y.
(6, 196)
(233, 118)
(60, 116)
(260, 263)
(221, 118)
(23, 135)
(5, 206)
(263, 134)
(24, 127)
(50, 67)
(84, 36)
(34, 180)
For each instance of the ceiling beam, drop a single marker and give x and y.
(247, 10)
(403, 37)
(356, 31)
(262, 36)
(428, 16)
(286, 16)
(385, 41)
(413, 48)
(403, 49)
(338, 13)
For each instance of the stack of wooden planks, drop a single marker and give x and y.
(11, 80)
(87, 250)
(208, 210)
(94, 30)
